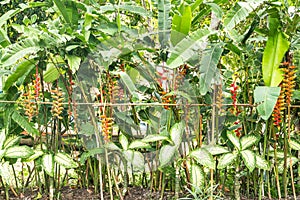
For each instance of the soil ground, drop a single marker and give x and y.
(135, 193)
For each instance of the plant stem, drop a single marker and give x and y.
(237, 184)
(51, 188)
(163, 187)
(177, 178)
(291, 164)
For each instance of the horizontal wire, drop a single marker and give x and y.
(137, 104)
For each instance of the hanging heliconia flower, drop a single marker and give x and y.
(106, 126)
(279, 107)
(167, 99)
(37, 83)
(219, 98)
(234, 91)
(289, 82)
(28, 103)
(182, 71)
(70, 90)
(57, 106)
(238, 130)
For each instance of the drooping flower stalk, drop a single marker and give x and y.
(57, 106)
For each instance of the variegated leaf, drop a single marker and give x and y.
(203, 157)
(197, 176)
(226, 159)
(294, 144)
(262, 163)
(234, 139)
(249, 159)
(249, 140)
(215, 149)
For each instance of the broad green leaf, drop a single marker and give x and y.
(197, 176)
(22, 70)
(239, 13)
(21, 121)
(136, 158)
(65, 160)
(215, 149)
(290, 161)
(17, 51)
(226, 159)
(294, 144)
(188, 47)
(88, 19)
(62, 8)
(123, 141)
(267, 98)
(261, 163)
(125, 117)
(2, 138)
(154, 138)
(234, 139)
(164, 22)
(216, 10)
(138, 144)
(209, 62)
(51, 74)
(203, 12)
(4, 39)
(91, 152)
(8, 15)
(10, 141)
(138, 161)
(166, 153)
(74, 62)
(249, 140)
(48, 164)
(275, 49)
(181, 24)
(203, 157)
(176, 133)
(249, 159)
(18, 152)
(196, 4)
(128, 82)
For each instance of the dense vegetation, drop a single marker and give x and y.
(194, 97)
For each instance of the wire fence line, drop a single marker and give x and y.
(138, 104)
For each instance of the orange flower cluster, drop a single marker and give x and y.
(182, 71)
(28, 103)
(106, 125)
(289, 83)
(166, 99)
(285, 98)
(279, 107)
(37, 83)
(57, 106)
